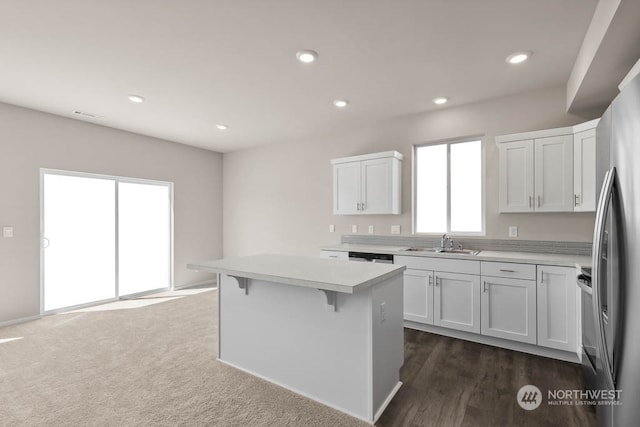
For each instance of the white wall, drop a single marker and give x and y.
(30, 140)
(278, 198)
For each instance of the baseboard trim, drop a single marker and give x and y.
(387, 401)
(21, 320)
(194, 284)
(496, 342)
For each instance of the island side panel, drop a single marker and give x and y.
(388, 340)
(285, 334)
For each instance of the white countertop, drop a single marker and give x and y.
(324, 274)
(562, 260)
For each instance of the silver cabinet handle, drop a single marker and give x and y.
(358, 206)
(507, 271)
(530, 201)
(484, 285)
(430, 280)
(541, 276)
(362, 206)
(437, 281)
(45, 243)
(576, 199)
(538, 200)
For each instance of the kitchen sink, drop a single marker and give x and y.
(445, 251)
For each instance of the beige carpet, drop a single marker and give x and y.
(138, 364)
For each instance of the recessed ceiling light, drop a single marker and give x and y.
(222, 126)
(341, 103)
(136, 98)
(307, 56)
(440, 100)
(518, 57)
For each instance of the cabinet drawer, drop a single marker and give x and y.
(439, 264)
(509, 269)
(334, 254)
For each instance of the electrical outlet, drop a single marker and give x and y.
(395, 229)
(354, 228)
(513, 231)
(332, 228)
(7, 231)
(371, 229)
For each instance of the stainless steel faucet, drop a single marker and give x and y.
(446, 242)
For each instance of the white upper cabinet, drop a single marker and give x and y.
(516, 176)
(346, 188)
(368, 184)
(548, 171)
(584, 171)
(553, 174)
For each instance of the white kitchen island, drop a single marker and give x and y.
(330, 330)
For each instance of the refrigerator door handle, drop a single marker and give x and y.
(598, 234)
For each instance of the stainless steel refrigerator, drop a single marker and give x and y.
(616, 260)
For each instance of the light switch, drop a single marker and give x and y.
(7, 231)
(513, 231)
(354, 228)
(332, 228)
(371, 229)
(395, 229)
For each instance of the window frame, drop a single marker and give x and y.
(414, 189)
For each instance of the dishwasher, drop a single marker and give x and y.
(371, 257)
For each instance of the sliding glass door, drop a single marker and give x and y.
(103, 237)
(79, 241)
(144, 222)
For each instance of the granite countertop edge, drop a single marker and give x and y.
(561, 260)
(357, 278)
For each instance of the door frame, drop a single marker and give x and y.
(117, 179)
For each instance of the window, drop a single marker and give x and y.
(449, 187)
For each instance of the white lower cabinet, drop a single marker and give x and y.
(509, 309)
(457, 301)
(531, 304)
(557, 308)
(418, 296)
(442, 298)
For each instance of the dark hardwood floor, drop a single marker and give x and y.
(451, 382)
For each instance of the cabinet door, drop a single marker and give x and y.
(554, 174)
(584, 171)
(457, 301)
(516, 176)
(509, 309)
(418, 296)
(557, 308)
(346, 188)
(376, 189)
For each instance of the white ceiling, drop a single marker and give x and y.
(199, 63)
